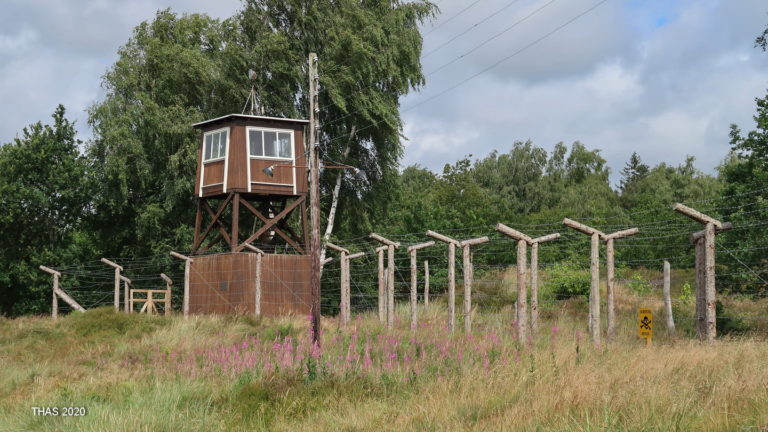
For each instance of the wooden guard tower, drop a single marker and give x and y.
(251, 189)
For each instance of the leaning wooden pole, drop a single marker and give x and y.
(187, 268)
(390, 277)
(118, 269)
(468, 276)
(412, 250)
(452, 244)
(594, 265)
(712, 227)
(610, 276)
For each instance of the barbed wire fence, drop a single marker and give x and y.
(91, 284)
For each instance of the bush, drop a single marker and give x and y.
(568, 280)
(638, 284)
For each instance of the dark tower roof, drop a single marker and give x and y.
(228, 117)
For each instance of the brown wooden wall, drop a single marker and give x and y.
(238, 160)
(226, 284)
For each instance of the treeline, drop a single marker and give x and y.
(128, 192)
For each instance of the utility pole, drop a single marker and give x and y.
(314, 196)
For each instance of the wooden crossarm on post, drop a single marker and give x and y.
(50, 271)
(622, 234)
(381, 239)
(355, 255)
(167, 280)
(727, 226)
(381, 249)
(511, 232)
(125, 279)
(327, 260)
(546, 238)
(110, 263)
(474, 241)
(696, 215)
(181, 257)
(583, 228)
(443, 238)
(336, 248)
(420, 246)
(253, 248)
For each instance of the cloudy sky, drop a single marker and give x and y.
(664, 78)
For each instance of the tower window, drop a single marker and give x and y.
(268, 143)
(215, 145)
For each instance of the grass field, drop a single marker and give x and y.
(143, 373)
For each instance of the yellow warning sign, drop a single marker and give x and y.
(645, 322)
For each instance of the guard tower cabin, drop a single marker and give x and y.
(251, 190)
(236, 149)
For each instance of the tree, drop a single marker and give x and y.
(44, 194)
(177, 70)
(634, 171)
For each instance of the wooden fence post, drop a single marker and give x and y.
(535, 278)
(390, 277)
(118, 269)
(451, 276)
(426, 284)
(701, 306)
(60, 293)
(347, 285)
(382, 284)
(668, 300)
(414, 278)
(594, 265)
(168, 285)
(611, 270)
(54, 301)
(712, 228)
(187, 263)
(343, 264)
(259, 256)
(468, 276)
(126, 293)
(521, 305)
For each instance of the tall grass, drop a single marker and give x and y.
(140, 373)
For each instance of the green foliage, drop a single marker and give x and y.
(568, 280)
(729, 321)
(686, 292)
(638, 284)
(45, 192)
